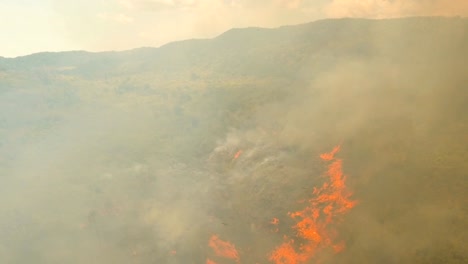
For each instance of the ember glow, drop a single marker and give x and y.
(315, 224)
(275, 223)
(238, 153)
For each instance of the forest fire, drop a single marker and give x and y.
(315, 224)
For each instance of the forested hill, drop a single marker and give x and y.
(259, 52)
(141, 156)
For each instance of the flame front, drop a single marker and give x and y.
(315, 222)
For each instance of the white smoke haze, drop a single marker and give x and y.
(123, 160)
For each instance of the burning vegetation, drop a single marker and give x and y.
(315, 225)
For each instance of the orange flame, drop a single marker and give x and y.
(238, 153)
(209, 261)
(275, 221)
(329, 201)
(314, 226)
(330, 155)
(223, 248)
(286, 254)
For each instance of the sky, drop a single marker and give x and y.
(30, 26)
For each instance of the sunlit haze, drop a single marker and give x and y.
(29, 26)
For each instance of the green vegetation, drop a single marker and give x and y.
(137, 147)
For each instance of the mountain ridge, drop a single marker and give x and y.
(236, 32)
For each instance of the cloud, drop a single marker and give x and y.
(120, 18)
(290, 4)
(157, 5)
(395, 8)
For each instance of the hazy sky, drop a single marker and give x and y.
(28, 26)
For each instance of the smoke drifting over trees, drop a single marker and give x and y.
(148, 155)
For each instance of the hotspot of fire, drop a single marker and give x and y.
(315, 225)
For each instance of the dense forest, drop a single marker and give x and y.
(141, 156)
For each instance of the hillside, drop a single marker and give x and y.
(140, 156)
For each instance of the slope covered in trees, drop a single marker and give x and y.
(140, 156)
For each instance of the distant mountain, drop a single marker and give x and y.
(262, 51)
